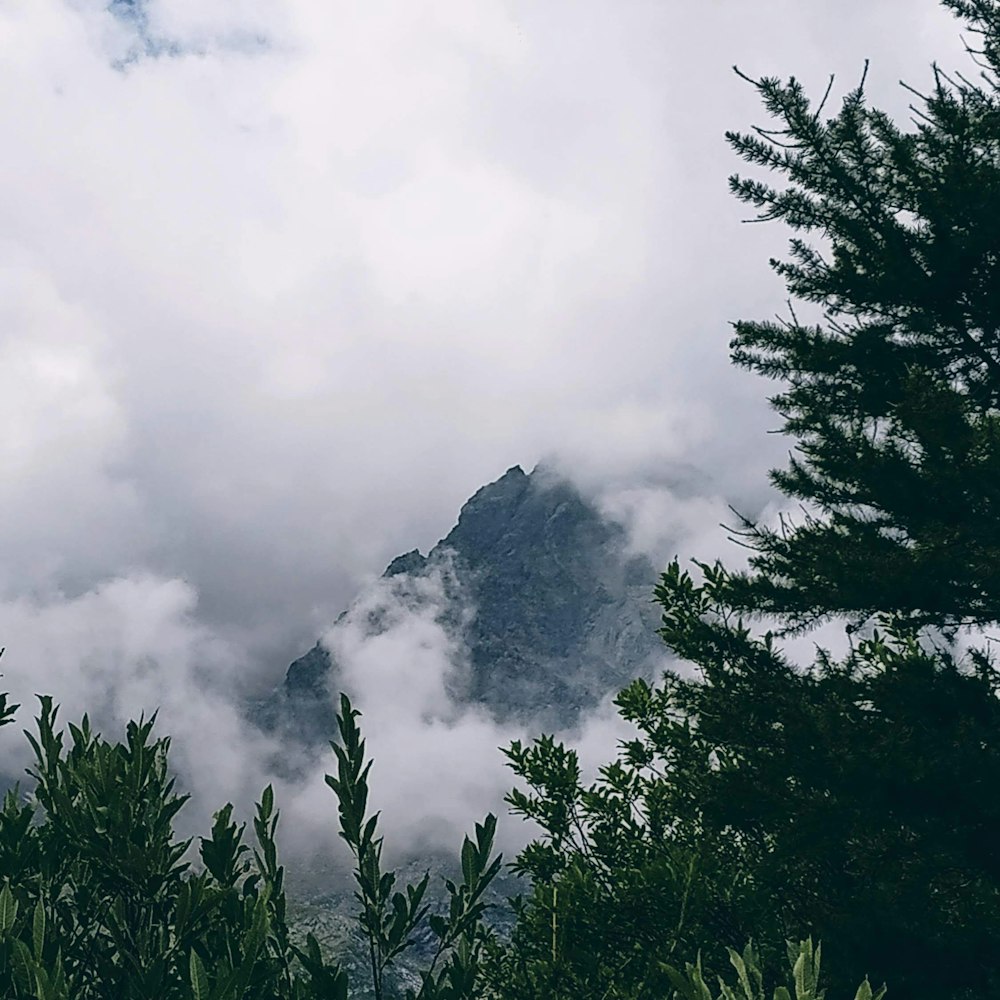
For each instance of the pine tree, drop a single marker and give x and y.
(851, 799)
(894, 398)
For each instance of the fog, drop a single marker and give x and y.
(283, 283)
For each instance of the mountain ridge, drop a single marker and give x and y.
(551, 609)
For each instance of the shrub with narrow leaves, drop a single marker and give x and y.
(804, 963)
(98, 901)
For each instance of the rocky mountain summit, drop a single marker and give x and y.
(548, 609)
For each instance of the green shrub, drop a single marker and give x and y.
(98, 901)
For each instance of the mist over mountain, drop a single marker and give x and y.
(524, 618)
(542, 606)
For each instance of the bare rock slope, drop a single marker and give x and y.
(549, 607)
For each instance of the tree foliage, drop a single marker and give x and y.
(804, 961)
(608, 899)
(893, 398)
(851, 798)
(852, 801)
(390, 919)
(99, 899)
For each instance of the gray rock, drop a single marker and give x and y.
(542, 593)
(408, 562)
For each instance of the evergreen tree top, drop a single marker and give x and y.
(893, 398)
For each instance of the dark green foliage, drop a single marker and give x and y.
(609, 895)
(577, 936)
(390, 919)
(855, 799)
(893, 399)
(804, 961)
(99, 901)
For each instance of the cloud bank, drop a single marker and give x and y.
(281, 284)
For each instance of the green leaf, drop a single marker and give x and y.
(22, 966)
(8, 910)
(691, 984)
(468, 861)
(199, 978)
(42, 984)
(38, 930)
(740, 963)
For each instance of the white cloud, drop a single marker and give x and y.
(281, 290)
(132, 646)
(437, 763)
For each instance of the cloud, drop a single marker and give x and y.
(68, 516)
(402, 660)
(664, 521)
(335, 282)
(133, 646)
(283, 283)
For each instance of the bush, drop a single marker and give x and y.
(98, 901)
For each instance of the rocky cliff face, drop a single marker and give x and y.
(547, 607)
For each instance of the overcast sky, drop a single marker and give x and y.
(282, 282)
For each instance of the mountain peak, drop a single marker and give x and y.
(553, 612)
(486, 515)
(409, 562)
